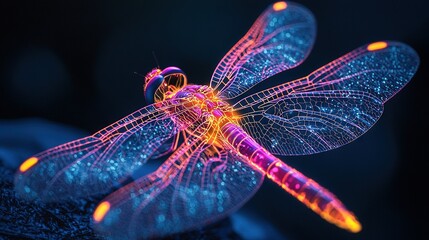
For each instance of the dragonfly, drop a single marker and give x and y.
(220, 143)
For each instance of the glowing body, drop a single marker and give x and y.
(202, 101)
(228, 142)
(304, 189)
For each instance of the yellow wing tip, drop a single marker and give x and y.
(278, 6)
(376, 46)
(27, 164)
(101, 211)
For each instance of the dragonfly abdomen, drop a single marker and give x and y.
(307, 191)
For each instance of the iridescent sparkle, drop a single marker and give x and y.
(220, 146)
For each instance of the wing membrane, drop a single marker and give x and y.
(306, 123)
(95, 164)
(278, 40)
(332, 106)
(197, 185)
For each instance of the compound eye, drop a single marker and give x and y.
(151, 88)
(174, 77)
(159, 83)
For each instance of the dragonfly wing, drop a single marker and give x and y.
(95, 164)
(167, 147)
(197, 185)
(332, 106)
(306, 123)
(280, 39)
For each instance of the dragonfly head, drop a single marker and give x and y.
(161, 83)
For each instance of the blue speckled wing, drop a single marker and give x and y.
(94, 164)
(197, 185)
(333, 105)
(280, 39)
(306, 123)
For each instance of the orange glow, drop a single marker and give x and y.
(335, 213)
(278, 6)
(27, 164)
(332, 210)
(101, 211)
(376, 46)
(352, 224)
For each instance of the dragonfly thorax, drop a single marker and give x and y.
(194, 105)
(201, 105)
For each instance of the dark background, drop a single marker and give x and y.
(74, 62)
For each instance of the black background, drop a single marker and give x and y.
(73, 62)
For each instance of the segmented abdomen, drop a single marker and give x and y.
(307, 191)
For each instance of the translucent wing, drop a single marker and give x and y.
(332, 106)
(306, 123)
(94, 164)
(280, 39)
(197, 185)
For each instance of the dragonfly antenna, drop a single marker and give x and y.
(156, 59)
(138, 74)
